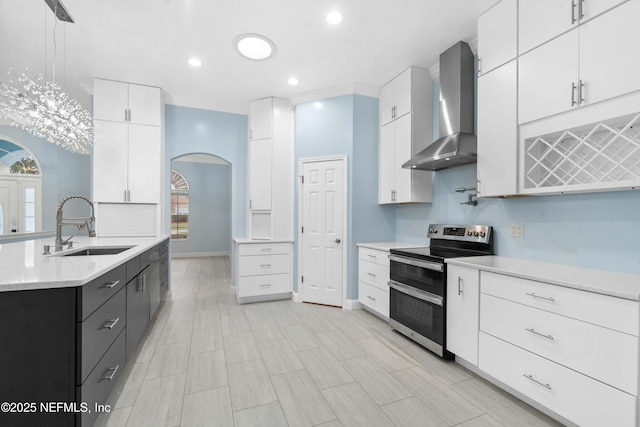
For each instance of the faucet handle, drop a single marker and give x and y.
(70, 244)
(64, 242)
(47, 250)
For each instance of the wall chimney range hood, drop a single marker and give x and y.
(457, 144)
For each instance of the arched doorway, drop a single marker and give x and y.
(200, 205)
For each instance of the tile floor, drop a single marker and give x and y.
(206, 361)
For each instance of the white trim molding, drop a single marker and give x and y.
(352, 304)
(199, 254)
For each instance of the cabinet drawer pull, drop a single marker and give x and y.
(265, 265)
(533, 331)
(265, 249)
(371, 298)
(111, 284)
(265, 285)
(109, 324)
(531, 294)
(372, 256)
(113, 372)
(371, 274)
(530, 377)
(459, 285)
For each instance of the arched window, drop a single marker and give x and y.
(179, 206)
(15, 159)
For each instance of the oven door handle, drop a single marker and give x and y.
(417, 263)
(417, 293)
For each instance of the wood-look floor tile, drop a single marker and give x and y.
(159, 403)
(210, 408)
(303, 404)
(301, 338)
(324, 369)
(114, 418)
(169, 359)
(367, 318)
(250, 385)
(206, 303)
(285, 318)
(351, 328)
(446, 370)
(339, 345)
(502, 406)
(126, 389)
(182, 311)
(354, 407)
(279, 357)
(235, 323)
(145, 350)
(175, 332)
(240, 348)
(266, 330)
(384, 332)
(256, 311)
(206, 339)
(412, 412)
(269, 415)
(378, 383)
(334, 423)
(481, 421)
(442, 399)
(316, 323)
(388, 356)
(206, 371)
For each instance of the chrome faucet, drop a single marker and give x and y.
(81, 223)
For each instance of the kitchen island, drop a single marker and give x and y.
(70, 320)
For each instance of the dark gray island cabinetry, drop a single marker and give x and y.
(62, 349)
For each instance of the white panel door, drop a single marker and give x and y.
(548, 79)
(110, 100)
(145, 104)
(110, 166)
(386, 164)
(498, 35)
(609, 61)
(402, 153)
(542, 20)
(260, 174)
(144, 164)
(322, 219)
(9, 207)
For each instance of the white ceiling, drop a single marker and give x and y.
(149, 42)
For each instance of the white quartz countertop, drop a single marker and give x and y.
(248, 240)
(387, 246)
(24, 267)
(611, 283)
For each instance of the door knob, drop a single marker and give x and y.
(337, 240)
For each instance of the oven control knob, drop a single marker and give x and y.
(475, 233)
(434, 231)
(482, 234)
(469, 233)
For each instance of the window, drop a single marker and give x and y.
(179, 206)
(17, 160)
(29, 210)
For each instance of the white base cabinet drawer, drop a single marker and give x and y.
(578, 345)
(264, 285)
(267, 264)
(375, 256)
(614, 313)
(264, 249)
(374, 298)
(374, 274)
(578, 398)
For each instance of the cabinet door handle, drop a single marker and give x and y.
(128, 195)
(573, 94)
(581, 9)
(531, 294)
(140, 283)
(573, 11)
(530, 377)
(479, 65)
(109, 324)
(580, 92)
(459, 285)
(250, 204)
(533, 331)
(113, 372)
(111, 284)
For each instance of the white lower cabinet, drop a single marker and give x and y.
(373, 278)
(262, 271)
(463, 294)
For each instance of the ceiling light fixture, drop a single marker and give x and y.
(254, 46)
(293, 81)
(334, 17)
(195, 62)
(43, 109)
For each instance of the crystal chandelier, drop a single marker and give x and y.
(43, 109)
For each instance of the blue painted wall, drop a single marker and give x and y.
(347, 125)
(209, 208)
(193, 130)
(63, 173)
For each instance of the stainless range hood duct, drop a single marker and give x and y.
(457, 144)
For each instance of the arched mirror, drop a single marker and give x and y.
(20, 189)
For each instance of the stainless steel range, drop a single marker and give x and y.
(418, 285)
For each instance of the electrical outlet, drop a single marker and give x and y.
(517, 230)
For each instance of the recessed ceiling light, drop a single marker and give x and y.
(293, 81)
(334, 17)
(195, 62)
(254, 46)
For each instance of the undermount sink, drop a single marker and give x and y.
(102, 250)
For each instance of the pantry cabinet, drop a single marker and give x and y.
(463, 296)
(405, 117)
(497, 36)
(125, 102)
(270, 188)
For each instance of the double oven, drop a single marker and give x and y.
(418, 282)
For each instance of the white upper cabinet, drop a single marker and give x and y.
(609, 61)
(497, 35)
(498, 131)
(125, 102)
(542, 20)
(548, 79)
(261, 119)
(405, 119)
(110, 161)
(260, 165)
(145, 164)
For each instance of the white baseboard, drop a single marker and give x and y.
(198, 254)
(297, 297)
(352, 304)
